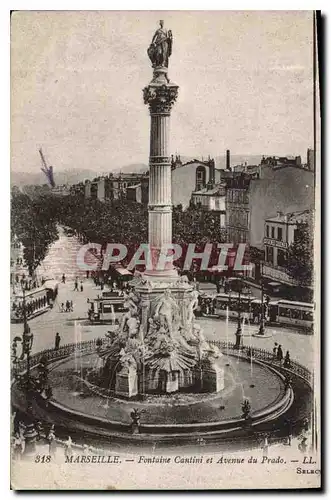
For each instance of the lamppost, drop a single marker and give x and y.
(262, 320)
(238, 343)
(27, 342)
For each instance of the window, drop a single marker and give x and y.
(285, 312)
(279, 234)
(281, 258)
(296, 314)
(270, 255)
(272, 232)
(307, 316)
(267, 231)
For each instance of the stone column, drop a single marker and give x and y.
(160, 95)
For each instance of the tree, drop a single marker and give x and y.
(300, 255)
(33, 221)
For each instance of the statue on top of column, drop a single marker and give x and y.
(160, 49)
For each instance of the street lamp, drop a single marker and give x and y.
(27, 342)
(262, 320)
(238, 343)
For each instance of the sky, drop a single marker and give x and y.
(245, 84)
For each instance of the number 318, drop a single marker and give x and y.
(43, 459)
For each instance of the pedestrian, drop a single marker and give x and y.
(265, 446)
(39, 430)
(275, 350)
(303, 445)
(76, 285)
(81, 286)
(71, 306)
(67, 306)
(63, 278)
(62, 307)
(51, 442)
(68, 448)
(279, 354)
(213, 305)
(226, 287)
(57, 340)
(289, 432)
(287, 360)
(18, 447)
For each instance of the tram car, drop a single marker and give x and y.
(106, 309)
(35, 301)
(279, 312)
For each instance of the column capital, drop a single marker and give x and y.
(160, 98)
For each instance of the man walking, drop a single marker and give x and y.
(63, 278)
(279, 354)
(57, 340)
(76, 285)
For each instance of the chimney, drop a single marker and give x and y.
(228, 162)
(211, 164)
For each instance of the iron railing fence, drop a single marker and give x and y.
(226, 347)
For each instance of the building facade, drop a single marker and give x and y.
(212, 200)
(280, 232)
(287, 189)
(190, 177)
(114, 187)
(237, 207)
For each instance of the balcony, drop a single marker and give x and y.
(278, 273)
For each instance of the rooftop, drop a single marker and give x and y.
(291, 218)
(219, 189)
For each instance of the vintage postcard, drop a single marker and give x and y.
(165, 214)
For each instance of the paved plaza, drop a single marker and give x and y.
(73, 325)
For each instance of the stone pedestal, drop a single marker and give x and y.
(172, 382)
(127, 382)
(213, 378)
(150, 292)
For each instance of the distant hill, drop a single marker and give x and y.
(79, 175)
(65, 177)
(132, 167)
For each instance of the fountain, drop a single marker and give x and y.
(157, 347)
(157, 355)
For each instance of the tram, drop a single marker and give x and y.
(37, 301)
(104, 309)
(284, 312)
